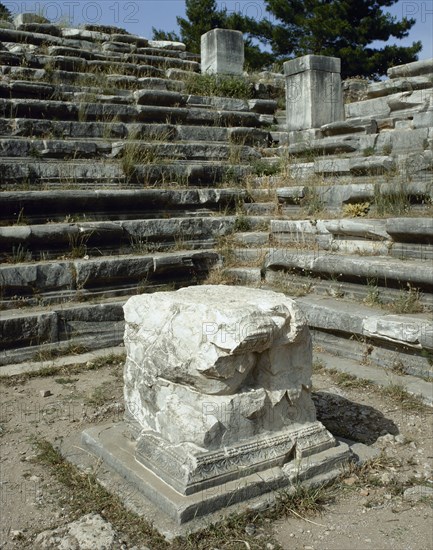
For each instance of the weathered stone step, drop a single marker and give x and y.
(63, 80)
(124, 273)
(377, 375)
(394, 194)
(260, 209)
(389, 340)
(385, 271)
(80, 40)
(138, 151)
(114, 57)
(69, 59)
(58, 174)
(42, 333)
(399, 84)
(403, 103)
(72, 63)
(251, 238)
(51, 129)
(411, 69)
(260, 106)
(43, 206)
(188, 151)
(365, 125)
(398, 237)
(93, 238)
(52, 148)
(67, 111)
(248, 276)
(296, 285)
(67, 357)
(91, 42)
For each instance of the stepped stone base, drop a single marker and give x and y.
(110, 443)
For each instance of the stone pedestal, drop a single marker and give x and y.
(313, 92)
(217, 400)
(222, 52)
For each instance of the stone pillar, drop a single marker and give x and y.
(313, 92)
(222, 52)
(218, 405)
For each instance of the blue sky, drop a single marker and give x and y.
(139, 16)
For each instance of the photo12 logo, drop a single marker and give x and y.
(90, 13)
(421, 11)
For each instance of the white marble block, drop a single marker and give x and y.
(222, 52)
(313, 92)
(217, 384)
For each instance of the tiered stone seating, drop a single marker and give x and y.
(114, 181)
(353, 239)
(90, 123)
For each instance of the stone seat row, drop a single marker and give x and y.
(96, 238)
(145, 95)
(94, 173)
(89, 41)
(42, 206)
(399, 237)
(107, 112)
(52, 129)
(144, 152)
(62, 79)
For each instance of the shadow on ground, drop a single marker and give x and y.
(345, 418)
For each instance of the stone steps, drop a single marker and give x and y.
(352, 332)
(95, 148)
(377, 375)
(112, 112)
(40, 333)
(98, 238)
(30, 207)
(88, 174)
(366, 334)
(25, 79)
(25, 282)
(402, 238)
(65, 57)
(92, 131)
(387, 197)
(385, 271)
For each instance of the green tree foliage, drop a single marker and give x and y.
(203, 16)
(5, 14)
(340, 28)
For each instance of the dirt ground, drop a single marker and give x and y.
(388, 506)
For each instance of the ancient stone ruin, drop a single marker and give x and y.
(217, 400)
(122, 175)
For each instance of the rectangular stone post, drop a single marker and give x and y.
(313, 92)
(222, 52)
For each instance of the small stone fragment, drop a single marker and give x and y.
(45, 393)
(413, 494)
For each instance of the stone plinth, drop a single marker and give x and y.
(313, 92)
(217, 399)
(222, 52)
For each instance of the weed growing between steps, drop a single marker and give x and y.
(408, 301)
(395, 202)
(356, 210)
(219, 86)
